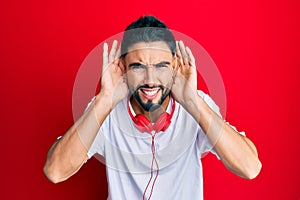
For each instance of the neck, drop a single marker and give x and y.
(153, 115)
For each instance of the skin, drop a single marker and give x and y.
(118, 81)
(151, 80)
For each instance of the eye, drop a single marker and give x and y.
(138, 67)
(161, 65)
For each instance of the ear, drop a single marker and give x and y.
(175, 66)
(176, 63)
(122, 65)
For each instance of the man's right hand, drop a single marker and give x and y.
(68, 154)
(113, 84)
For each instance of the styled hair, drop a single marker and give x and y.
(147, 29)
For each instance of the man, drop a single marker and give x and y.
(150, 123)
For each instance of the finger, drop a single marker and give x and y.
(118, 54)
(105, 54)
(117, 60)
(121, 65)
(178, 53)
(113, 51)
(183, 53)
(192, 61)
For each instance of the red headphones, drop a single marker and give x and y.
(144, 125)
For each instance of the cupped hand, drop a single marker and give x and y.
(185, 80)
(113, 84)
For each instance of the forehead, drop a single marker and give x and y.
(150, 52)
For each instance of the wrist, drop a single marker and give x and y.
(103, 103)
(189, 100)
(193, 104)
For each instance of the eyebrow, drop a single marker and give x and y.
(162, 63)
(139, 64)
(135, 64)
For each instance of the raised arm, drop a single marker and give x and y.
(69, 153)
(236, 151)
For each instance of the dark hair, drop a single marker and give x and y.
(147, 29)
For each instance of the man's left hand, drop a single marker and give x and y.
(185, 80)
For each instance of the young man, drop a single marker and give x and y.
(150, 123)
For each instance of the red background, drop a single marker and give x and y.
(255, 46)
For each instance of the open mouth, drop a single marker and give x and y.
(150, 93)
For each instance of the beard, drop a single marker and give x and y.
(149, 106)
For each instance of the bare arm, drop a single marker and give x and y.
(69, 153)
(237, 152)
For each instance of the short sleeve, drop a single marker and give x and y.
(210, 102)
(203, 142)
(98, 143)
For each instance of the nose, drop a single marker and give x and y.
(150, 76)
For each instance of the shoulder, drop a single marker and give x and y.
(210, 102)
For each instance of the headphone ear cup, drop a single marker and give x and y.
(142, 123)
(167, 121)
(162, 123)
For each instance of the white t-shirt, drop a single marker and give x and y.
(128, 155)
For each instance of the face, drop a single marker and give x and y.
(149, 71)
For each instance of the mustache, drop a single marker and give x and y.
(149, 87)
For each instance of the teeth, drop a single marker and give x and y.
(150, 93)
